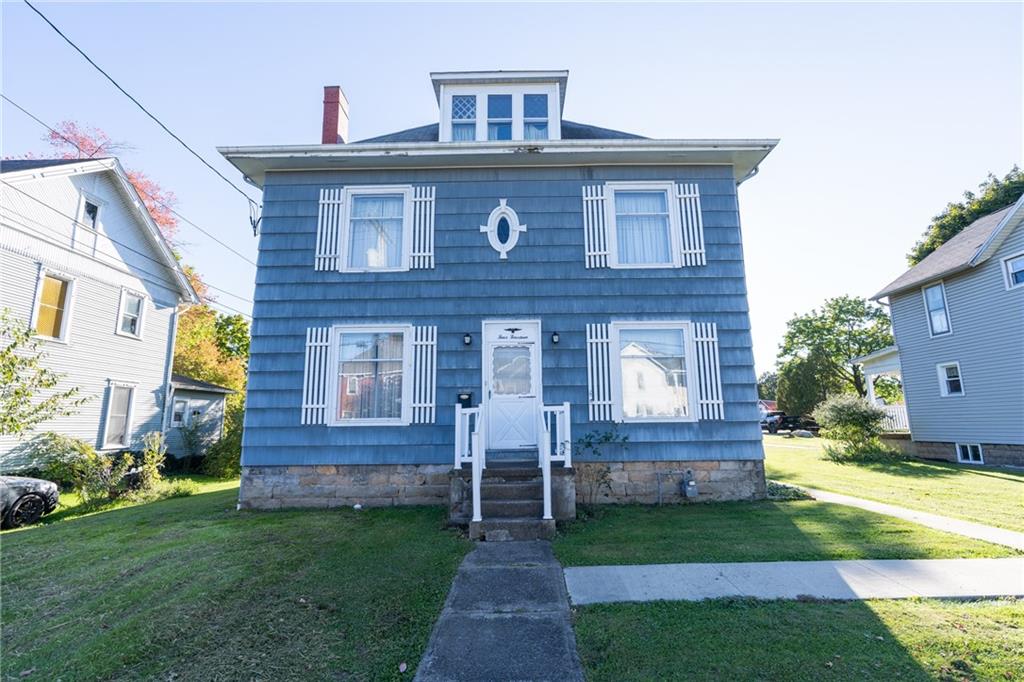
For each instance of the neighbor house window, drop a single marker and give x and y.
(969, 453)
(499, 117)
(179, 415)
(1014, 270)
(375, 232)
(129, 322)
(646, 227)
(91, 214)
(52, 310)
(535, 117)
(938, 315)
(950, 383)
(653, 382)
(119, 410)
(463, 118)
(371, 385)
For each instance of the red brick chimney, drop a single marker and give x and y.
(335, 116)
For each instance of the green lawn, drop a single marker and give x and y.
(189, 588)
(790, 640)
(754, 531)
(991, 496)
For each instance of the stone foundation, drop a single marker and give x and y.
(638, 482)
(994, 454)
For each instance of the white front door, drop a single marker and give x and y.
(512, 383)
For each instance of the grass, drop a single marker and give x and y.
(793, 640)
(754, 531)
(993, 497)
(189, 588)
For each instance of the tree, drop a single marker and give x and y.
(993, 195)
(233, 336)
(24, 381)
(804, 383)
(844, 328)
(768, 386)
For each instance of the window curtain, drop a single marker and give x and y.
(372, 365)
(642, 227)
(653, 368)
(375, 239)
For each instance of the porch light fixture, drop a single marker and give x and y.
(555, 338)
(467, 339)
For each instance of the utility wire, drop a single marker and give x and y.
(138, 189)
(146, 111)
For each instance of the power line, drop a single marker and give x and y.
(109, 238)
(138, 189)
(137, 103)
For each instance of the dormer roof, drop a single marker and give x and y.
(439, 78)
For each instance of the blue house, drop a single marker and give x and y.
(442, 312)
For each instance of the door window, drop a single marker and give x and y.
(512, 370)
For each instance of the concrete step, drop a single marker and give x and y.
(519, 474)
(510, 509)
(502, 530)
(491, 489)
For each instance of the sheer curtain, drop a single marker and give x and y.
(642, 228)
(370, 376)
(375, 239)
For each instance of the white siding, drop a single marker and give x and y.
(211, 414)
(987, 341)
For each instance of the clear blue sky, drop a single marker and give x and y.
(886, 112)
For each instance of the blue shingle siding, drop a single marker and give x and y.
(988, 328)
(544, 277)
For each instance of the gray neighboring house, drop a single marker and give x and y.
(958, 322)
(84, 265)
(195, 403)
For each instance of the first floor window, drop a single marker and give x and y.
(969, 453)
(644, 227)
(950, 382)
(938, 315)
(119, 416)
(1014, 271)
(179, 415)
(131, 314)
(376, 223)
(653, 371)
(52, 309)
(370, 369)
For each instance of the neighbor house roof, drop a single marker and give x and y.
(17, 171)
(570, 131)
(188, 383)
(975, 244)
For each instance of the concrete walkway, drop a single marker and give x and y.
(869, 579)
(506, 618)
(998, 536)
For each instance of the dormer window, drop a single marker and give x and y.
(499, 117)
(535, 117)
(463, 118)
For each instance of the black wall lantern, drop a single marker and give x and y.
(467, 339)
(555, 338)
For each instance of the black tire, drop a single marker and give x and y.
(773, 429)
(25, 511)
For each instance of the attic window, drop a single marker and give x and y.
(463, 118)
(92, 214)
(535, 117)
(499, 117)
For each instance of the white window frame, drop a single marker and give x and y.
(517, 90)
(615, 360)
(82, 221)
(536, 119)
(407, 374)
(945, 309)
(452, 122)
(125, 293)
(186, 416)
(940, 369)
(350, 194)
(69, 300)
(1006, 271)
(674, 223)
(981, 453)
(128, 431)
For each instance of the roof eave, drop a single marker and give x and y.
(1009, 222)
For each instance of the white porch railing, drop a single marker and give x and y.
(896, 418)
(554, 443)
(470, 448)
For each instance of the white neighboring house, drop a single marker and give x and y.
(83, 263)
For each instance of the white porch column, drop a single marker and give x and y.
(870, 379)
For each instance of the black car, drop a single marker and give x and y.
(794, 422)
(23, 501)
(771, 420)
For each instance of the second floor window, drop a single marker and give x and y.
(375, 239)
(499, 117)
(463, 118)
(938, 315)
(1014, 271)
(950, 382)
(535, 117)
(643, 228)
(51, 314)
(130, 322)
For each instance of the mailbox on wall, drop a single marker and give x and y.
(465, 399)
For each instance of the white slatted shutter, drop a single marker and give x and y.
(422, 228)
(599, 374)
(328, 228)
(595, 226)
(314, 377)
(692, 224)
(709, 374)
(424, 384)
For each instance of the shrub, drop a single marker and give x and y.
(151, 461)
(103, 477)
(596, 476)
(65, 459)
(224, 458)
(854, 425)
(181, 487)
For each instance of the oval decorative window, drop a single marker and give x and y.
(503, 228)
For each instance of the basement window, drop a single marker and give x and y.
(969, 453)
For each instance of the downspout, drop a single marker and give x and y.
(168, 369)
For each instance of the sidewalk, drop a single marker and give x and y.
(998, 536)
(868, 579)
(506, 618)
